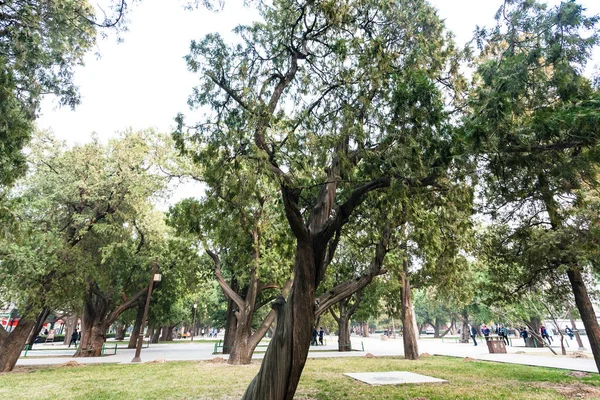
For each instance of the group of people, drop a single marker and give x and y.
(212, 333)
(318, 333)
(500, 330)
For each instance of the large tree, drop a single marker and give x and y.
(534, 118)
(336, 100)
(41, 42)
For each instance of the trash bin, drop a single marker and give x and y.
(495, 344)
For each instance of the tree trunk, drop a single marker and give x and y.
(164, 333)
(39, 324)
(586, 310)
(137, 327)
(155, 335)
(436, 328)
(170, 333)
(465, 335)
(575, 331)
(411, 348)
(120, 332)
(11, 344)
(231, 323)
(240, 352)
(93, 336)
(71, 325)
(366, 329)
(285, 358)
(344, 343)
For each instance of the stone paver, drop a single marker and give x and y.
(393, 378)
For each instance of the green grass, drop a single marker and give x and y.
(322, 380)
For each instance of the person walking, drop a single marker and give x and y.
(473, 334)
(74, 338)
(569, 332)
(524, 334)
(314, 337)
(545, 335)
(502, 332)
(321, 333)
(486, 332)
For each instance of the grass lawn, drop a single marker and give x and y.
(322, 380)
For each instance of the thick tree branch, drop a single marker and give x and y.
(227, 290)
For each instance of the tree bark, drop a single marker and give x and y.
(436, 328)
(164, 333)
(71, 325)
(344, 343)
(39, 324)
(155, 335)
(366, 329)
(411, 348)
(169, 337)
(231, 322)
(586, 310)
(11, 344)
(120, 332)
(137, 327)
(286, 355)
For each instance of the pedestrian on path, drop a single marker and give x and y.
(524, 334)
(321, 333)
(569, 332)
(314, 337)
(74, 338)
(473, 333)
(502, 332)
(545, 335)
(486, 332)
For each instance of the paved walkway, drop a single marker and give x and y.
(202, 350)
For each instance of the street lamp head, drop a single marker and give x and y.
(157, 277)
(195, 305)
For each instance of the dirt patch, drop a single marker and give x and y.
(71, 364)
(217, 360)
(157, 361)
(573, 391)
(420, 398)
(469, 359)
(425, 355)
(369, 355)
(579, 374)
(577, 355)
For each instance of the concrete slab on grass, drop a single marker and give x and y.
(393, 378)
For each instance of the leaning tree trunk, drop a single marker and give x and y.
(575, 331)
(411, 348)
(39, 324)
(285, 358)
(586, 311)
(11, 344)
(137, 328)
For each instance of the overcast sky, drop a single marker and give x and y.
(143, 82)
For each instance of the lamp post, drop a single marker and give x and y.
(154, 277)
(194, 320)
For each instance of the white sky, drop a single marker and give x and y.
(143, 82)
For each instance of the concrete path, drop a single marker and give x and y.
(202, 350)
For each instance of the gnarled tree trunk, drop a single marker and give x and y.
(286, 355)
(155, 335)
(120, 331)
